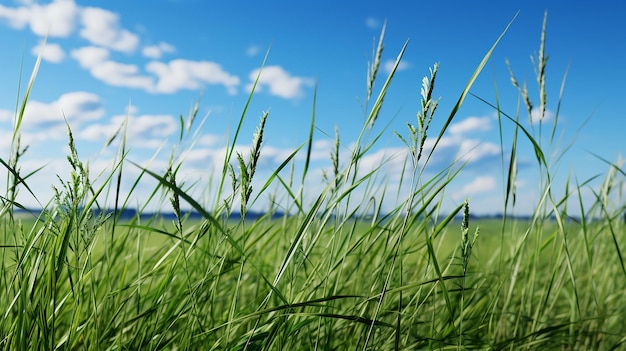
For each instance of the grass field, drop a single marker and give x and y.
(325, 276)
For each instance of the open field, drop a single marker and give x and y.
(537, 285)
(337, 273)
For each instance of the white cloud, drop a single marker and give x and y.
(209, 140)
(182, 74)
(90, 56)
(197, 155)
(535, 116)
(391, 160)
(122, 75)
(6, 137)
(170, 77)
(17, 18)
(56, 19)
(457, 148)
(51, 52)
(185, 74)
(101, 27)
(321, 149)
(473, 150)
(271, 155)
(6, 115)
(471, 124)
(156, 51)
(96, 60)
(59, 18)
(388, 66)
(482, 184)
(214, 157)
(279, 82)
(444, 143)
(143, 131)
(103, 30)
(76, 107)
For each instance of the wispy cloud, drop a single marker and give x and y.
(388, 66)
(372, 22)
(252, 50)
(6, 115)
(279, 82)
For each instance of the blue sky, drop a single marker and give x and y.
(106, 61)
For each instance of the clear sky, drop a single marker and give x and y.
(153, 60)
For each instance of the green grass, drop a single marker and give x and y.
(322, 277)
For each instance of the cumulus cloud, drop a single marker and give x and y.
(473, 151)
(391, 160)
(51, 52)
(96, 60)
(449, 151)
(56, 19)
(143, 131)
(207, 159)
(480, 185)
(103, 30)
(44, 121)
(185, 74)
(90, 56)
(279, 82)
(158, 50)
(76, 107)
(59, 18)
(122, 75)
(102, 27)
(166, 78)
(464, 149)
(471, 124)
(388, 66)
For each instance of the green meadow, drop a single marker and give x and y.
(338, 272)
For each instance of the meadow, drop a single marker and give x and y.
(334, 273)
